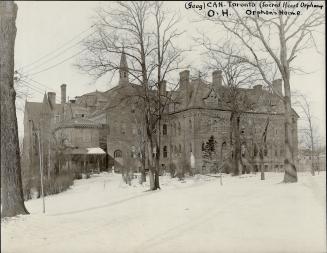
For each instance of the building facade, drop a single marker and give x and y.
(197, 112)
(59, 137)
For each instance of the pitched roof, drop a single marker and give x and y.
(85, 151)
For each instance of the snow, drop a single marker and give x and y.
(95, 151)
(245, 214)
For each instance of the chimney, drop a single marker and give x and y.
(278, 86)
(184, 78)
(217, 78)
(63, 93)
(52, 98)
(163, 87)
(184, 86)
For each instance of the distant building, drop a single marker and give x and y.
(306, 160)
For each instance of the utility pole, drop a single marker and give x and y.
(41, 168)
(49, 161)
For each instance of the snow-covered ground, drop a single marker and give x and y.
(101, 214)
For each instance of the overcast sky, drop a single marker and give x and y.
(44, 27)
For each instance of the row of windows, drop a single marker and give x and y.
(176, 149)
(175, 128)
(266, 151)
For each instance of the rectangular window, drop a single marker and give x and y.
(164, 129)
(165, 153)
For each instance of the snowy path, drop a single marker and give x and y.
(244, 215)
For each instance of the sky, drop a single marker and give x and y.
(57, 27)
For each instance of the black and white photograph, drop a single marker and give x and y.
(163, 126)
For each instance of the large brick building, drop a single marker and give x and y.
(196, 113)
(112, 120)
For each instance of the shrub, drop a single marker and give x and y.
(54, 185)
(58, 183)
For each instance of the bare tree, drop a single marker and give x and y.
(12, 199)
(279, 39)
(320, 149)
(152, 55)
(308, 132)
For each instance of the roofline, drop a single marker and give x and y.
(224, 110)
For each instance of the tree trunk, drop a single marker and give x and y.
(12, 199)
(143, 175)
(312, 151)
(157, 159)
(156, 174)
(235, 120)
(262, 169)
(290, 175)
(150, 164)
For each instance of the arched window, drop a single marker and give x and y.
(165, 153)
(164, 129)
(117, 154)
